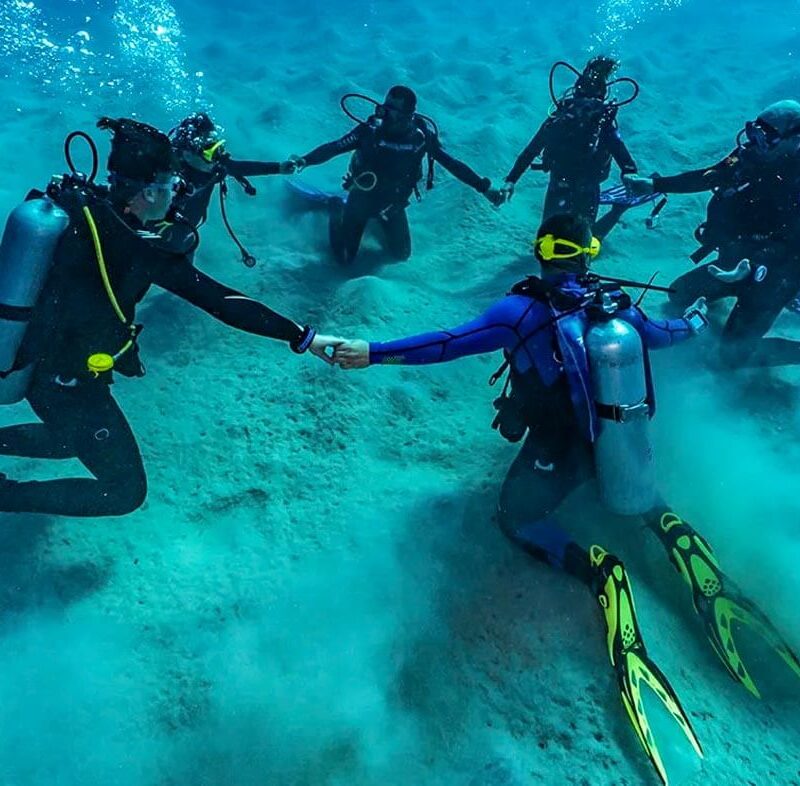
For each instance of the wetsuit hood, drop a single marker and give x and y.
(783, 116)
(774, 137)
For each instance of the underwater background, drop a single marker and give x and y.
(316, 592)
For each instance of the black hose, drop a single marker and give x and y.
(609, 85)
(638, 284)
(347, 96)
(634, 96)
(92, 146)
(553, 68)
(247, 258)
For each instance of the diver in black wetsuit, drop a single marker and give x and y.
(204, 165)
(753, 221)
(82, 328)
(388, 151)
(577, 143)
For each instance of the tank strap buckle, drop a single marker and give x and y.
(623, 413)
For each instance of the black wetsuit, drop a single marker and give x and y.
(753, 214)
(73, 319)
(397, 163)
(577, 145)
(195, 207)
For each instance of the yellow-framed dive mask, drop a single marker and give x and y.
(552, 247)
(214, 151)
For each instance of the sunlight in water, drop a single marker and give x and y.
(619, 17)
(146, 51)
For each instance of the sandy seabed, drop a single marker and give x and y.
(315, 592)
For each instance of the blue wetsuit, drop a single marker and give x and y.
(545, 348)
(536, 336)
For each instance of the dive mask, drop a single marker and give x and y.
(761, 135)
(392, 114)
(550, 247)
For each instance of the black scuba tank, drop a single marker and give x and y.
(27, 251)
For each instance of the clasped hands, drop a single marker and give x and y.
(341, 352)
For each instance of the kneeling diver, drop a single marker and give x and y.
(752, 222)
(578, 354)
(205, 164)
(385, 170)
(74, 263)
(577, 143)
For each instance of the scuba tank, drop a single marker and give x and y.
(27, 251)
(622, 448)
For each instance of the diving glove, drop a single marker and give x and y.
(742, 271)
(629, 657)
(717, 600)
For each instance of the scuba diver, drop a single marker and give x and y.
(577, 142)
(385, 170)
(74, 263)
(752, 223)
(577, 349)
(205, 164)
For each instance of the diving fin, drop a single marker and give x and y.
(618, 195)
(717, 600)
(309, 194)
(630, 660)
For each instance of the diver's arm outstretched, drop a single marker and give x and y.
(528, 155)
(496, 328)
(231, 307)
(619, 152)
(460, 170)
(660, 333)
(694, 181)
(346, 144)
(237, 168)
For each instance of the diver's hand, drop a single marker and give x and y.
(742, 271)
(507, 191)
(324, 347)
(298, 162)
(638, 186)
(495, 196)
(287, 167)
(352, 354)
(697, 315)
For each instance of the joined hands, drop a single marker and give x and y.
(341, 352)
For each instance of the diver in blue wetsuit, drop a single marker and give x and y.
(577, 350)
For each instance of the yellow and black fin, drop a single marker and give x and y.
(717, 600)
(629, 657)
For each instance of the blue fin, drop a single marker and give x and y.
(618, 195)
(310, 194)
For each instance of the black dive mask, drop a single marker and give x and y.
(392, 116)
(761, 136)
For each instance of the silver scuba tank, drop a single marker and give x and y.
(26, 256)
(623, 452)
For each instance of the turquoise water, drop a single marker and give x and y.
(315, 591)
